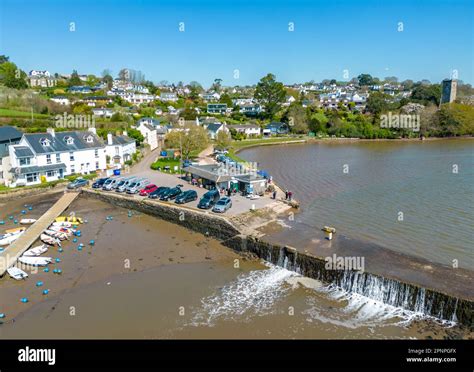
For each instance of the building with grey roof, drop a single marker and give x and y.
(8, 136)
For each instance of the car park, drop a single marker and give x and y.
(137, 185)
(209, 199)
(186, 197)
(124, 184)
(222, 205)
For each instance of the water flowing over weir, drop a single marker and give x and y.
(388, 291)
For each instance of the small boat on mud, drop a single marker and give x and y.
(9, 238)
(36, 251)
(27, 221)
(17, 273)
(64, 230)
(15, 230)
(35, 261)
(56, 234)
(69, 219)
(50, 240)
(62, 224)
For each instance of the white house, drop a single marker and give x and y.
(214, 128)
(119, 149)
(250, 130)
(64, 101)
(42, 157)
(8, 136)
(138, 98)
(147, 127)
(168, 96)
(103, 112)
(40, 73)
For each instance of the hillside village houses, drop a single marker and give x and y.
(61, 100)
(44, 157)
(8, 136)
(148, 129)
(41, 79)
(249, 130)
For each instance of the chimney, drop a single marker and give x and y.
(93, 130)
(51, 132)
(109, 139)
(125, 133)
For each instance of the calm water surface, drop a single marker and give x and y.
(401, 195)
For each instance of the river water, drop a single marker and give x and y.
(414, 197)
(147, 278)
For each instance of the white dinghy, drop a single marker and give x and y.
(36, 251)
(62, 224)
(17, 273)
(35, 261)
(9, 238)
(56, 234)
(50, 240)
(27, 221)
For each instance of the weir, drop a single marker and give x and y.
(10, 255)
(409, 296)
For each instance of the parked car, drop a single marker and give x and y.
(209, 199)
(108, 186)
(158, 192)
(186, 197)
(124, 183)
(78, 182)
(171, 193)
(148, 189)
(98, 184)
(137, 185)
(222, 205)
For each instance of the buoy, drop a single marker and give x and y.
(57, 260)
(11, 217)
(2, 222)
(58, 271)
(79, 248)
(24, 300)
(2, 315)
(46, 270)
(74, 240)
(86, 221)
(23, 212)
(129, 213)
(60, 250)
(92, 242)
(30, 208)
(39, 284)
(46, 291)
(15, 222)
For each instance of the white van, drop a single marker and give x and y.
(122, 185)
(137, 185)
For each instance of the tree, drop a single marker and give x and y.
(92, 80)
(124, 74)
(216, 86)
(74, 79)
(391, 79)
(4, 59)
(225, 98)
(270, 93)
(223, 140)
(136, 135)
(376, 103)
(365, 79)
(108, 79)
(188, 139)
(426, 93)
(297, 119)
(12, 77)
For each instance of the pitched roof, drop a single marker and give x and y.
(37, 168)
(58, 143)
(22, 151)
(122, 140)
(214, 127)
(8, 133)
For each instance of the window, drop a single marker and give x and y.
(32, 177)
(48, 159)
(89, 139)
(96, 165)
(96, 153)
(71, 156)
(69, 140)
(50, 173)
(58, 158)
(25, 161)
(1, 175)
(44, 142)
(73, 170)
(117, 150)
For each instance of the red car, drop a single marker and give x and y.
(148, 189)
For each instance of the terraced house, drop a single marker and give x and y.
(42, 157)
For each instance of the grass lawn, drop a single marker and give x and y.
(161, 163)
(21, 114)
(239, 145)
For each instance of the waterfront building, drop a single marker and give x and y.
(275, 128)
(216, 108)
(147, 127)
(214, 128)
(42, 157)
(8, 136)
(119, 149)
(250, 130)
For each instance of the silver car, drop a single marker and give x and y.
(222, 205)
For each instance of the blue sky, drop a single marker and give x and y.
(252, 37)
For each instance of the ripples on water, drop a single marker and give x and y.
(384, 178)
